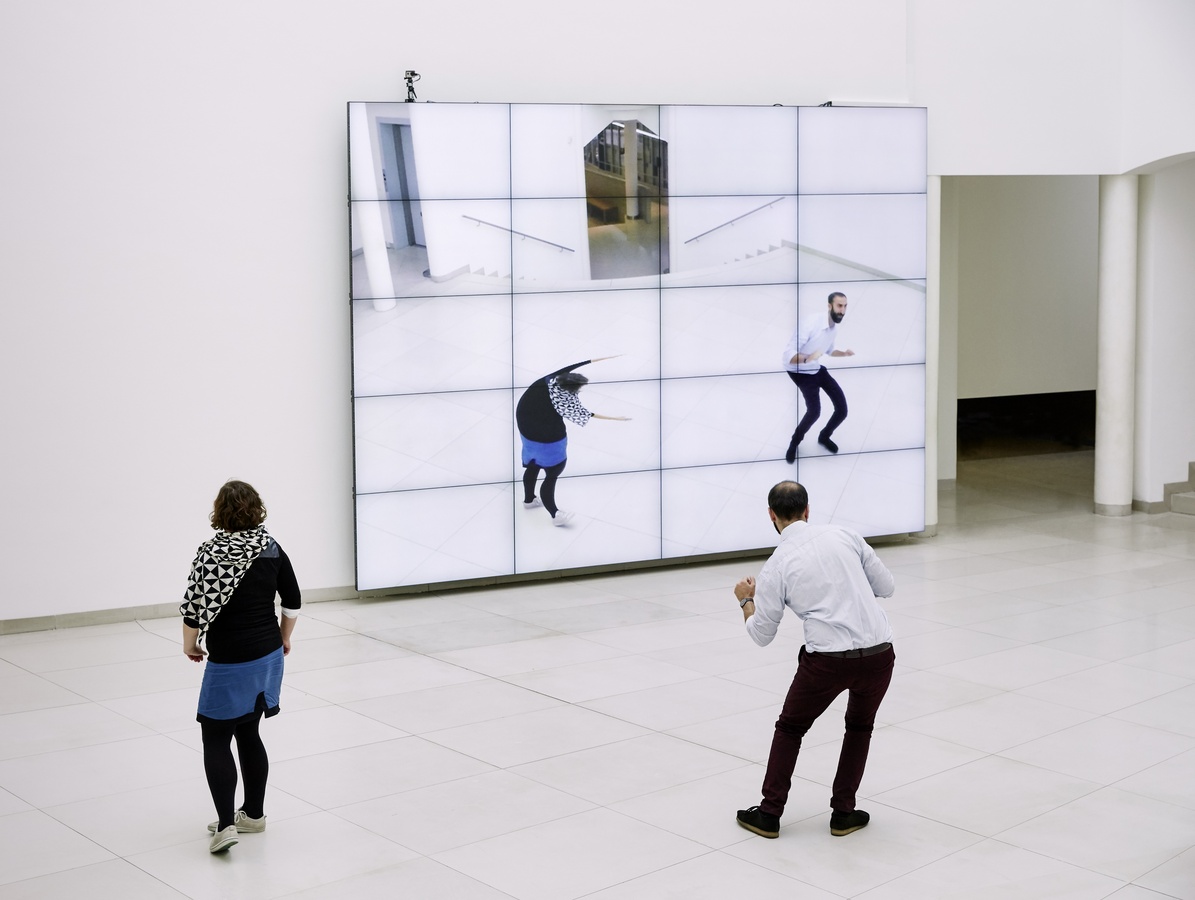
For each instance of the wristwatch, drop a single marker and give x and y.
(745, 601)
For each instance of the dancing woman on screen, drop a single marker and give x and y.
(230, 603)
(540, 416)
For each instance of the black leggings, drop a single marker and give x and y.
(222, 771)
(547, 493)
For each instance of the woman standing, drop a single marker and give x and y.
(540, 416)
(230, 599)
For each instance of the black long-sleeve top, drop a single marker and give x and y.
(246, 628)
(536, 415)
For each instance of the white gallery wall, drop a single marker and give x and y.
(1027, 284)
(173, 281)
(1165, 443)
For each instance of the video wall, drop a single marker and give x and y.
(724, 278)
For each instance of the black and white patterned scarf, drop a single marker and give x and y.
(218, 568)
(567, 404)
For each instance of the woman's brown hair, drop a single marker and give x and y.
(238, 507)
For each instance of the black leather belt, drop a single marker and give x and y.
(855, 654)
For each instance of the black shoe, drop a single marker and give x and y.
(845, 822)
(790, 455)
(761, 823)
(824, 440)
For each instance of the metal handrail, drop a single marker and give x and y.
(735, 219)
(519, 233)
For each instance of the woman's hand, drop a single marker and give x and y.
(191, 648)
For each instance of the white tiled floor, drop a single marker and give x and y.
(593, 738)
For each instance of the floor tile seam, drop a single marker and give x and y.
(42, 673)
(985, 755)
(576, 630)
(1005, 750)
(337, 812)
(71, 634)
(1154, 765)
(619, 654)
(201, 833)
(1094, 664)
(1160, 865)
(401, 736)
(610, 804)
(429, 738)
(716, 851)
(685, 724)
(343, 704)
(595, 807)
(1005, 837)
(152, 734)
(82, 701)
(976, 837)
(1111, 713)
(1090, 716)
(404, 732)
(578, 702)
(1055, 859)
(765, 739)
(13, 884)
(1018, 644)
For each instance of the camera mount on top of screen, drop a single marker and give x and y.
(411, 76)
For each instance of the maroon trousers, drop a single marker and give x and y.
(818, 681)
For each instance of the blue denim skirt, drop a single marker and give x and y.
(233, 691)
(544, 455)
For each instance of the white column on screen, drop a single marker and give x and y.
(630, 165)
(369, 215)
(1117, 343)
(933, 288)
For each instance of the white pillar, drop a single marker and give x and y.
(1117, 343)
(630, 165)
(369, 215)
(933, 287)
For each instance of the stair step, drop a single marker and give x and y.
(1183, 503)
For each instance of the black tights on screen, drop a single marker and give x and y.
(222, 771)
(547, 492)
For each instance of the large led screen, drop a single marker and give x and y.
(726, 279)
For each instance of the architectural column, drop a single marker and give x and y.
(1117, 345)
(630, 165)
(371, 228)
(933, 293)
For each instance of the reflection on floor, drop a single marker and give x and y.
(628, 249)
(594, 737)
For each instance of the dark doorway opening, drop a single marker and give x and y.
(1026, 424)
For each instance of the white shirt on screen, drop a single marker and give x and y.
(814, 334)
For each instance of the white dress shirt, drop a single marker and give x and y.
(814, 334)
(830, 578)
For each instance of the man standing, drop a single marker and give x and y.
(812, 340)
(830, 578)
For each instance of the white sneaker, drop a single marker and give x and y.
(561, 518)
(534, 504)
(222, 840)
(243, 824)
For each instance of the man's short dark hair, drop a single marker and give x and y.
(788, 500)
(830, 299)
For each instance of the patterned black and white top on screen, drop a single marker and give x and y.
(567, 404)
